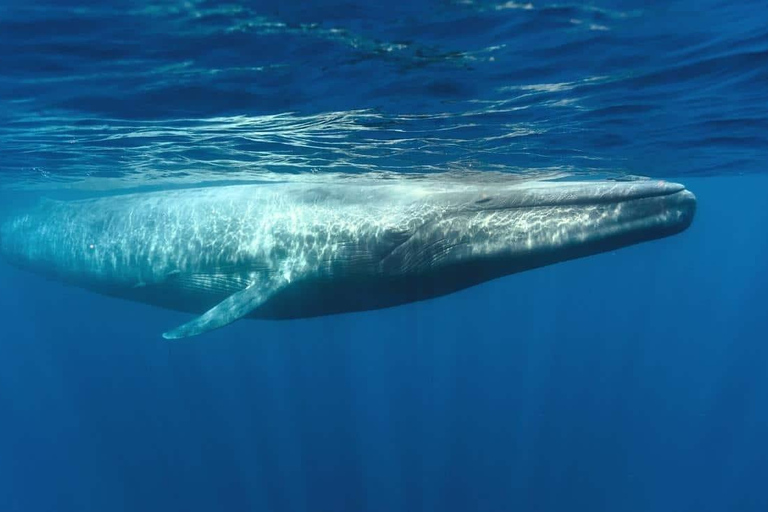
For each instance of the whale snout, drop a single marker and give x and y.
(655, 207)
(685, 207)
(670, 213)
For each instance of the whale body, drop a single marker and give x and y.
(330, 245)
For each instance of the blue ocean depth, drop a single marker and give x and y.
(633, 381)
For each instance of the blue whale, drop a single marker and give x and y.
(333, 244)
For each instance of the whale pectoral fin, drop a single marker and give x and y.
(232, 308)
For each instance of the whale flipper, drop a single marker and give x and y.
(233, 308)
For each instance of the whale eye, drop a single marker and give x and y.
(482, 200)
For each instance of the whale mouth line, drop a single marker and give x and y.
(542, 198)
(618, 194)
(659, 194)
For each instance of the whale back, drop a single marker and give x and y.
(215, 238)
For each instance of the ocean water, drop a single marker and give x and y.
(635, 380)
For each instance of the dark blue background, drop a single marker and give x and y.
(632, 381)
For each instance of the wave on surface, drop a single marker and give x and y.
(128, 95)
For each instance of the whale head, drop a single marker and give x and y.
(492, 230)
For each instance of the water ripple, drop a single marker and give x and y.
(183, 92)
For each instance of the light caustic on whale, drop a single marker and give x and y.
(331, 245)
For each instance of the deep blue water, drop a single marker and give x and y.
(630, 381)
